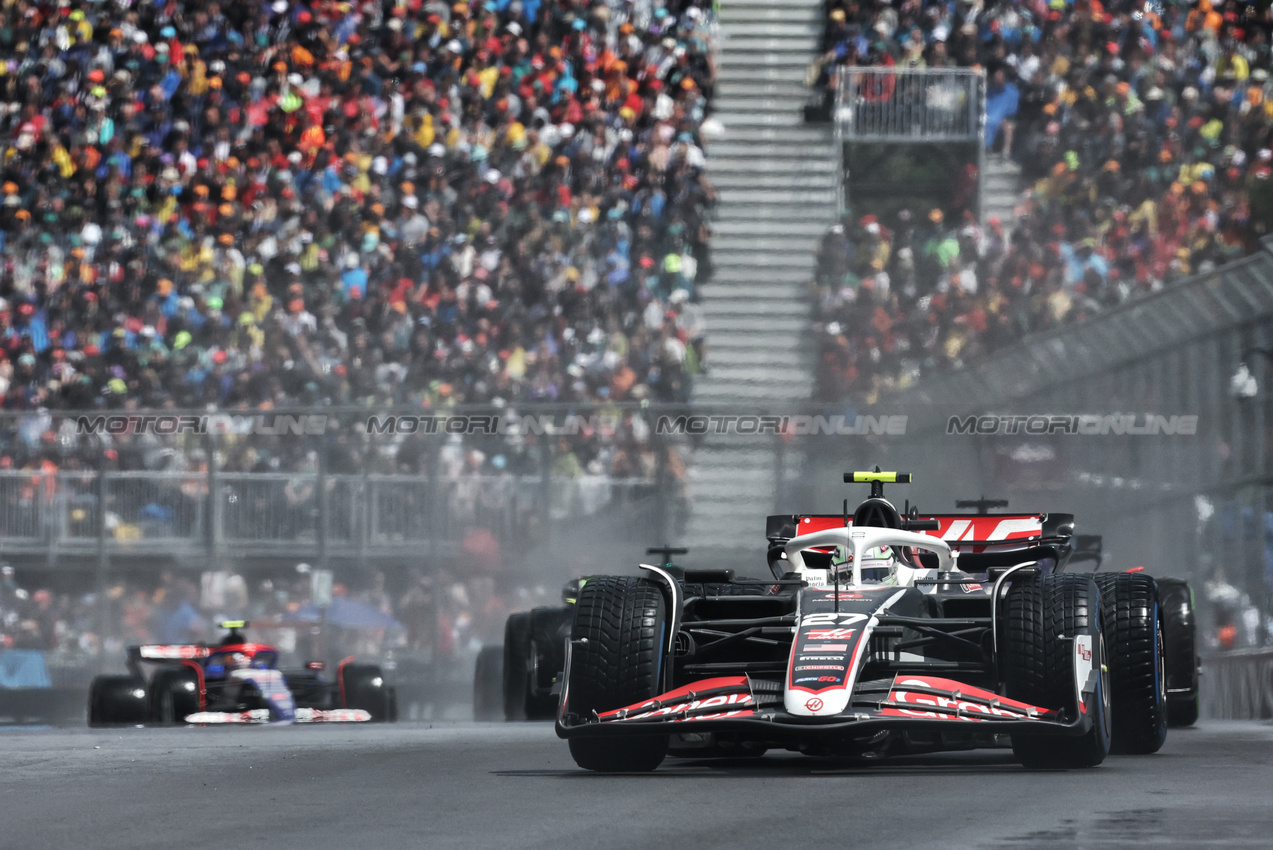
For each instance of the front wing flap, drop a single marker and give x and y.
(905, 701)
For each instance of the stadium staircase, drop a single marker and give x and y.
(775, 177)
(1002, 190)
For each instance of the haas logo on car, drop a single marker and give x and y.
(814, 704)
(829, 634)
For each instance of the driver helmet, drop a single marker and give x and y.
(879, 564)
(237, 661)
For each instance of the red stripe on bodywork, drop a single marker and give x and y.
(971, 528)
(340, 678)
(956, 700)
(203, 686)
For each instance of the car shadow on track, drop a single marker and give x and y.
(944, 764)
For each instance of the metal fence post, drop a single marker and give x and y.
(780, 473)
(433, 510)
(213, 504)
(980, 117)
(661, 490)
(323, 505)
(103, 564)
(842, 177)
(364, 517)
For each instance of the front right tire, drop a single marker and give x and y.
(619, 634)
(1134, 638)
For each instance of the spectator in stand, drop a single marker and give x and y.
(307, 202)
(1147, 138)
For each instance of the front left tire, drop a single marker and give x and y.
(619, 634)
(1043, 616)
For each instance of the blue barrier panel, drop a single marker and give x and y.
(23, 668)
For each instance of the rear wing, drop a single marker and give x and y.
(169, 652)
(981, 541)
(158, 653)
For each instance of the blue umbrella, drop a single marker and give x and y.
(347, 614)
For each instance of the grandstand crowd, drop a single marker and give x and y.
(1144, 131)
(380, 202)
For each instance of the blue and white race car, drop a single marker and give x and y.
(235, 681)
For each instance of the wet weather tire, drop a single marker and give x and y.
(545, 658)
(116, 700)
(623, 621)
(1180, 651)
(1134, 639)
(1042, 615)
(488, 681)
(365, 687)
(174, 695)
(516, 670)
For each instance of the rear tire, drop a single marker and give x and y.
(1042, 616)
(623, 620)
(115, 701)
(365, 688)
(1134, 638)
(488, 680)
(516, 671)
(174, 696)
(1180, 651)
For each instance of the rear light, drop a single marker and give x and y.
(315, 665)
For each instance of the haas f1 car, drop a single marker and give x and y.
(880, 633)
(235, 681)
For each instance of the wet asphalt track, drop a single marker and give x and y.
(514, 786)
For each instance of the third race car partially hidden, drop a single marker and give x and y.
(519, 679)
(879, 633)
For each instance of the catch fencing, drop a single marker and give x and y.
(1238, 685)
(72, 495)
(876, 104)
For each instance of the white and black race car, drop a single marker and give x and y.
(880, 633)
